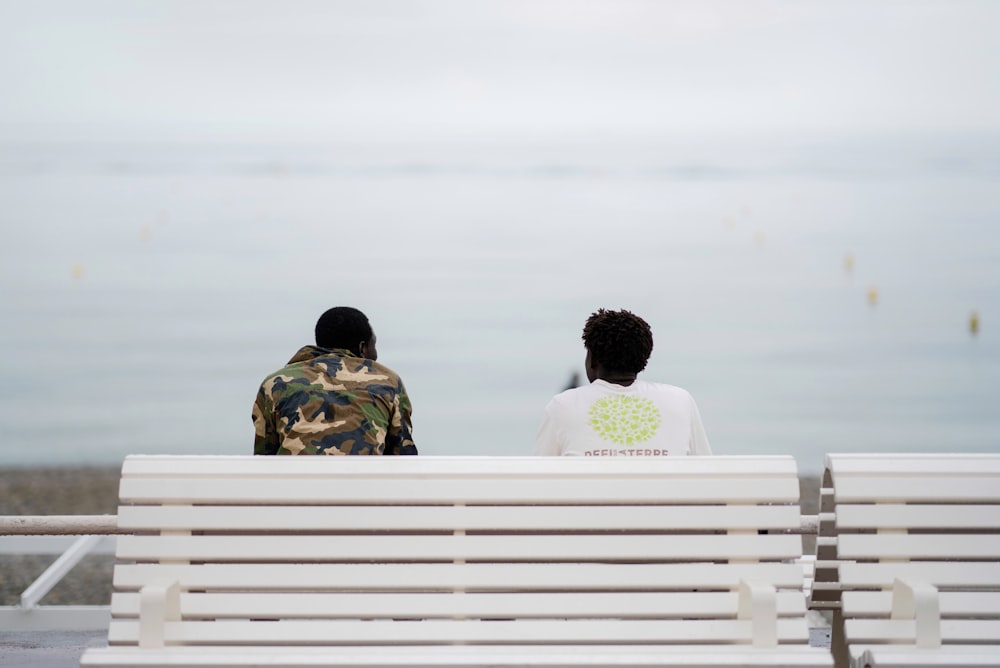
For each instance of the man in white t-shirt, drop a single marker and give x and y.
(618, 415)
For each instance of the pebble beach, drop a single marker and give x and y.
(58, 491)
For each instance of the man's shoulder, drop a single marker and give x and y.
(319, 367)
(380, 368)
(665, 390)
(571, 397)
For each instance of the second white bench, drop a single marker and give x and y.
(910, 544)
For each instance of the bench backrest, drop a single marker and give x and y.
(920, 519)
(483, 549)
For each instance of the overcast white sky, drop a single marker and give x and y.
(386, 68)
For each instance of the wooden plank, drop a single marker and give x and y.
(928, 488)
(469, 577)
(465, 656)
(953, 603)
(918, 546)
(897, 463)
(922, 516)
(880, 463)
(526, 491)
(461, 466)
(904, 630)
(633, 605)
(909, 656)
(436, 518)
(972, 575)
(523, 547)
(382, 632)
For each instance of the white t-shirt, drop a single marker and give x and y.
(605, 419)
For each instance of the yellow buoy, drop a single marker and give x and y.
(872, 295)
(849, 262)
(77, 271)
(974, 323)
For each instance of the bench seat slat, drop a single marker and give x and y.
(450, 547)
(957, 631)
(516, 491)
(897, 464)
(975, 575)
(462, 656)
(919, 546)
(415, 605)
(928, 488)
(952, 603)
(415, 577)
(917, 516)
(909, 656)
(380, 632)
(431, 518)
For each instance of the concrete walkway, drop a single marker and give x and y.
(47, 649)
(62, 649)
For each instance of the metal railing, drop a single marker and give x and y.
(72, 537)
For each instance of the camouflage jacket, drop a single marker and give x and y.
(330, 402)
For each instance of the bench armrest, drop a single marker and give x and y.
(920, 602)
(159, 603)
(758, 602)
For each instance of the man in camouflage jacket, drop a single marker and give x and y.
(334, 398)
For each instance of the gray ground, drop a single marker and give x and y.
(47, 649)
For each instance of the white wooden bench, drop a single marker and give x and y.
(458, 561)
(912, 545)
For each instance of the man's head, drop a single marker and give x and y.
(618, 344)
(346, 327)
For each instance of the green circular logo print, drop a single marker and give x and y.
(624, 419)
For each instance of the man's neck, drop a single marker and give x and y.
(618, 379)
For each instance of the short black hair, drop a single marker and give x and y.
(342, 327)
(619, 341)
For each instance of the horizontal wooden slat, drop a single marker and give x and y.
(410, 548)
(380, 632)
(524, 491)
(973, 575)
(461, 466)
(465, 656)
(435, 518)
(916, 488)
(952, 603)
(690, 605)
(917, 546)
(908, 656)
(918, 516)
(416, 577)
(900, 463)
(903, 630)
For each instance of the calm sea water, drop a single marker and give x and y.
(146, 290)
